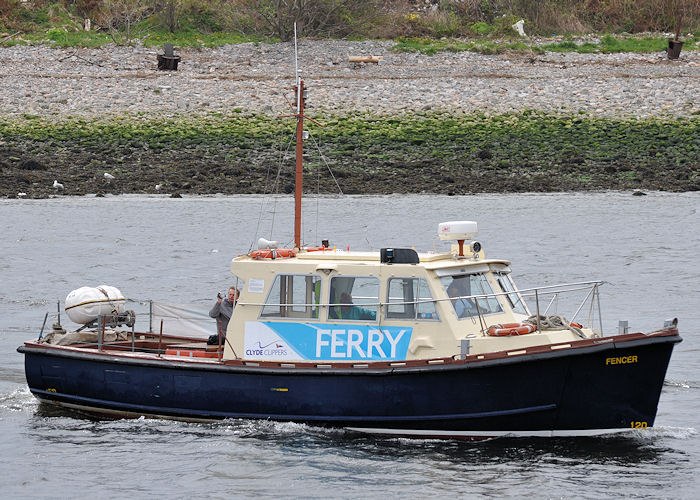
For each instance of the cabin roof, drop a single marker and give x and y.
(428, 260)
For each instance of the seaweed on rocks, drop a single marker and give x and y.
(374, 154)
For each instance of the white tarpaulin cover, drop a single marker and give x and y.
(183, 319)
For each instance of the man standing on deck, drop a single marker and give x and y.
(222, 311)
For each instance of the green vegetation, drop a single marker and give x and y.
(436, 152)
(610, 44)
(607, 44)
(451, 25)
(529, 137)
(61, 37)
(123, 130)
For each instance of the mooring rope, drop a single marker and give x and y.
(555, 322)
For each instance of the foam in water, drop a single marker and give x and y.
(666, 432)
(680, 385)
(20, 399)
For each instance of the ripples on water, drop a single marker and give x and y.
(239, 457)
(179, 250)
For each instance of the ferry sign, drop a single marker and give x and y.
(270, 340)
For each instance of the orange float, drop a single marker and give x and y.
(317, 249)
(510, 329)
(273, 253)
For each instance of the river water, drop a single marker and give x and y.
(179, 250)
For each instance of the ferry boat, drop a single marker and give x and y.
(437, 344)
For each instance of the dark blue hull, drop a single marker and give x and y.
(577, 388)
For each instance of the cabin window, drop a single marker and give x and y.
(293, 296)
(354, 298)
(512, 295)
(410, 298)
(462, 288)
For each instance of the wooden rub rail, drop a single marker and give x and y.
(202, 353)
(456, 360)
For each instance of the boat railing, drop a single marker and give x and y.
(150, 338)
(591, 298)
(103, 324)
(537, 294)
(546, 300)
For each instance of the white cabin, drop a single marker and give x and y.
(332, 305)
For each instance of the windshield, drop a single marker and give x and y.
(513, 297)
(463, 287)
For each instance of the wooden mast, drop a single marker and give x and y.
(298, 179)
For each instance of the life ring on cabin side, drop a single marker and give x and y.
(511, 329)
(273, 253)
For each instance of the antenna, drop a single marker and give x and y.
(296, 54)
(297, 76)
(301, 135)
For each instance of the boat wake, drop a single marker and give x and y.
(267, 429)
(258, 428)
(680, 384)
(659, 432)
(20, 399)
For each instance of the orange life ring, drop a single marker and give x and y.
(510, 329)
(273, 253)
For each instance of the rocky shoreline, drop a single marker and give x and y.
(91, 87)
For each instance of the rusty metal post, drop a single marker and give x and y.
(298, 179)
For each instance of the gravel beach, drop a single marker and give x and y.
(91, 82)
(86, 87)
